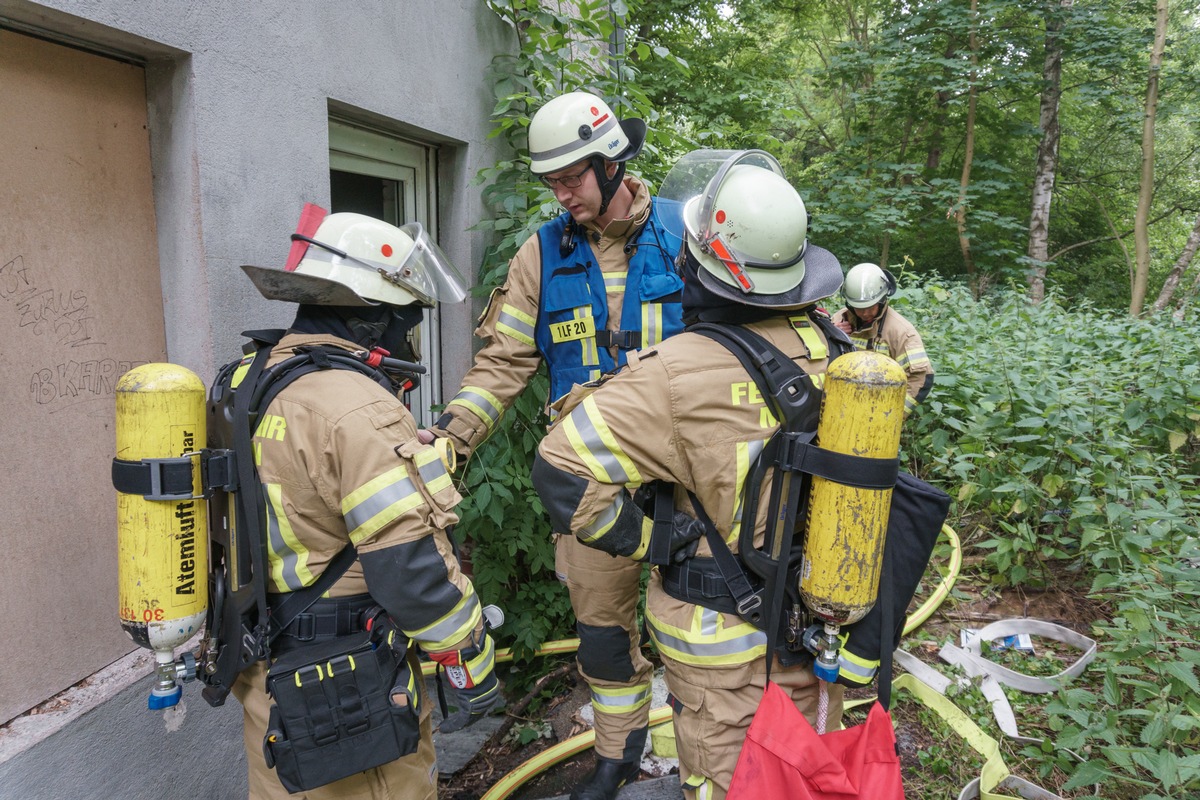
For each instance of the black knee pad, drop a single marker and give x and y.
(604, 652)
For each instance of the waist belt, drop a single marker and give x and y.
(625, 340)
(698, 580)
(324, 619)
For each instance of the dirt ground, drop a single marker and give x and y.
(969, 610)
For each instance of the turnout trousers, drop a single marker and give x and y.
(605, 594)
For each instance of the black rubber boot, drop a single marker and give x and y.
(606, 779)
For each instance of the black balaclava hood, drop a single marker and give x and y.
(382, 326)
(701, 305)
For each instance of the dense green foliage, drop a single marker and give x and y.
(1071, 439)
(1068, 435)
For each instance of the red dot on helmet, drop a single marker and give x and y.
(386, 250)
(720, 217)
(595, 111)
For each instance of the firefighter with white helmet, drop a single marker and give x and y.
(686, 413)
(340, 463)
(595, 285)
(874, 325)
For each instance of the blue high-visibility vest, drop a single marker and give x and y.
(574, 300)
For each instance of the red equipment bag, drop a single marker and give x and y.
(784, 757)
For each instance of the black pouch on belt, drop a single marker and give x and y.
(342, 706)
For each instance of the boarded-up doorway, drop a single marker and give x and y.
(80, 303)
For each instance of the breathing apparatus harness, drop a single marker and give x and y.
(242, 623)
(761, 585)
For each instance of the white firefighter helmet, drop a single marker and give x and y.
(356, 260)
(747, 229)
(868, 285)
(576, 125)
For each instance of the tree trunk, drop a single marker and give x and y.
(1047, 153)
(960, 209)
(1191, 295)
(1176, 273)
(1141, 228)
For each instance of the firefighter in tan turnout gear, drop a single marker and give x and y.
(592, 287)
(340, 463)
(686, 412)
(874, 325)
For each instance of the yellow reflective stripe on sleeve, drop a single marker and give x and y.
(614, 282)
(855, 669)
(812, 340)
(482, 665)
(379, 502)
(286, 556)
(652, 324)
(596, 446)
(818, 380)
(603, 521)
(913, 360)
(709, 643)
(480, 402)
(433, 471)
(452, 628)
(516, 323)
(644, 546)
(910, 403)
(619, 700)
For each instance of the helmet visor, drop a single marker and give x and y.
(697, 176)
(426, 272)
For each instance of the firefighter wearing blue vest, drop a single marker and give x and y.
(594, 285)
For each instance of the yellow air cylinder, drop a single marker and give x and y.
(162, 544)
(861, 415)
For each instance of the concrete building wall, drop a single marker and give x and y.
(239, 99)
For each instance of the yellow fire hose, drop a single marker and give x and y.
(507, 785)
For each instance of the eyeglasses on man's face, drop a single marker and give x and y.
(566, 181)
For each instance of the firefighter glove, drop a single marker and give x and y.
(684, 537)
(470, 675)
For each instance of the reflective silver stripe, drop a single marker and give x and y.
(708, 622)
(447, 626)
(432, 471)
(479, 401)
(600, 525)
(864, 674)
(286, 558)
(729, 647)
(569, 147)
(624, 701)
(590, 438)
(365, 510)
(514, 322)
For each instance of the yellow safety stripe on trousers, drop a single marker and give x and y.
(700, 787)
(432, 470)
(652, 324)
(596, 446)
(614, 282)
(620, 700)
(516, 323)
(286, 556)
(812, 340)
(860, 671)
(747, 457)
(709, 642)
(453, 627)
(379, 502)
(589, 351)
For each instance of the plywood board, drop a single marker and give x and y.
(80, 303)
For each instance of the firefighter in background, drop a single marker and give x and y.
(594, 285)
(340, 461)
(873, 325)
(687, 413)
